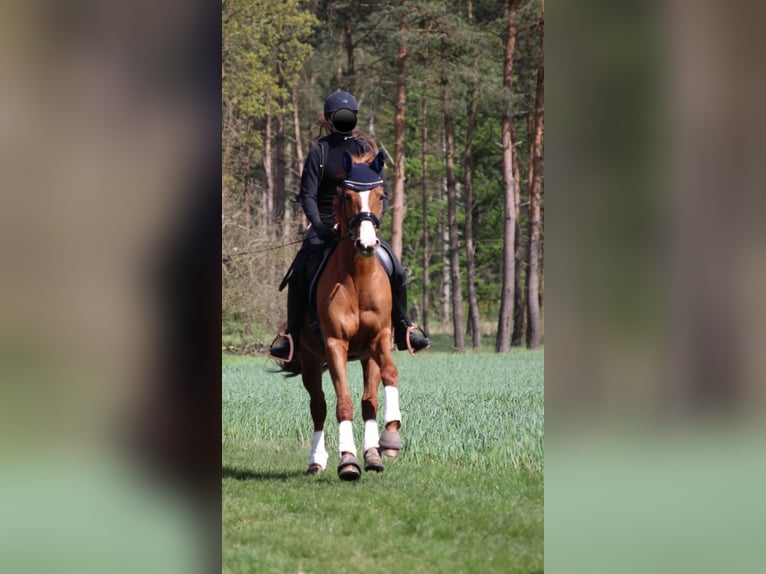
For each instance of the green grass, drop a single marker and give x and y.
(465, 495)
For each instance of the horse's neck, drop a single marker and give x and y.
(356, 266)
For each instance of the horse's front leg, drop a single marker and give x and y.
(372, 460)
(311, 373)
(337, 353)
(390, 441)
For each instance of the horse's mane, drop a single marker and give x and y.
(366, 157)
(368, 140)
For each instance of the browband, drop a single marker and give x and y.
(361, 185)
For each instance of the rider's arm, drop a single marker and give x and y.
(310, 187)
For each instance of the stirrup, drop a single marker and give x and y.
(289, 338)
(410, 350)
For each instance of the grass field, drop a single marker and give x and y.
(465, 494)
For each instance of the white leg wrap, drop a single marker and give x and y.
(318, 452)
(371, 434)
(391, 411)
(346, 438)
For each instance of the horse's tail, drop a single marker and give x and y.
(291, 368)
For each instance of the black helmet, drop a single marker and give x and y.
(339, 100)
(340, 109)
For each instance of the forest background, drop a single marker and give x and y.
(453, 92)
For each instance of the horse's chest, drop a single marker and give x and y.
(345, 299)
(349, 310)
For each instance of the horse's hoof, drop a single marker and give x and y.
(372, 460)
(390, 443)
(348, 468)
(315, 468)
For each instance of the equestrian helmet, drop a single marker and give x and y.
(340, 110)
(339, 100)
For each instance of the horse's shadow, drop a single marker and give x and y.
(244, 474)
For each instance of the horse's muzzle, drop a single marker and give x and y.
(366, 250)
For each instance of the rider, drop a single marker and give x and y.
(319, 184)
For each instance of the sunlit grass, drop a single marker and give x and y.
(466, 493)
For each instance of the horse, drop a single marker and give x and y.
(353, 304)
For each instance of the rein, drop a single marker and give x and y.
(264, 250)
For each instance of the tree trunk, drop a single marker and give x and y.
(519, 308)
(542, 278)
(397, 201)
(339, 70)
(371, 123)
(226, 157)
(445, 274)
(504, 323)
(454, 253)
(350, 56)
(288, 187)
(299, 159)
(279, 172)
(443, 234)
(424, 183)
(535, 193)
(268, 169)
(247, 195)
(474, 323)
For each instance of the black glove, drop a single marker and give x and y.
(326, 233)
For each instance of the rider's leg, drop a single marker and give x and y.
(306, 264)
(404, 336)
(296, 297)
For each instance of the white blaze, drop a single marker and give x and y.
(367, 235)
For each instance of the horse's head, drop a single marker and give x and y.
(359, 205)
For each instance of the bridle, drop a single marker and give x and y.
(353, 222)
(362, 177)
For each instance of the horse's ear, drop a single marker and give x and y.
(347, 162)
(377, 163)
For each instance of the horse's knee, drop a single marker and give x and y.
(345, 408)
(390, 374)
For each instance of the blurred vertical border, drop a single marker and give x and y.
(110, 286)
(656, 270)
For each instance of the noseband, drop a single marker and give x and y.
(362, 215)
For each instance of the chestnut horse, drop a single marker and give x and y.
(353, 298)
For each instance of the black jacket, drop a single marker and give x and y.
(317, 196)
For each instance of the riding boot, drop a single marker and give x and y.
(284, 350)
(404, 336)
(296, 297)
